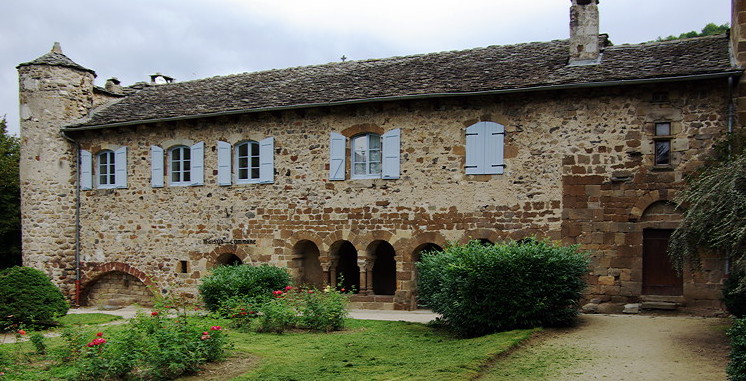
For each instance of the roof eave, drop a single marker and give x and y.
(624, 82)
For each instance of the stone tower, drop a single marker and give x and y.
(53, 91)
(584, 26)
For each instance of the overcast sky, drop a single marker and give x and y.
(190, 39)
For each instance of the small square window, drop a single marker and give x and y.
(663, 129)
(183, 267)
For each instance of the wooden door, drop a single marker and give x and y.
(658, 277)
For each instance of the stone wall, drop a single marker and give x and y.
(116, 289)
(578, 169)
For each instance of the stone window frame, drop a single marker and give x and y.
(663, 140)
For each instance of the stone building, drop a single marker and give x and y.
(358, 167)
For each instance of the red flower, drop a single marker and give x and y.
(21, 332)
(251, 312)
(154, 313)
(288, 288)
(278, 292)
(310, 291)
(343, 290)
(205, 337)
(99, 334)
(216, 328)
(205, 333)
(243, 313)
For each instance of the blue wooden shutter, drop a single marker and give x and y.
(156, 167)
(475, 149)
(337, 156)
(86, 167)
(391, 147)
(494, 142)
(120, 167)
(224, 163)
(198, 167)
(267, 161)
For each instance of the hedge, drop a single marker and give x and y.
(28, 297)
(241, 281)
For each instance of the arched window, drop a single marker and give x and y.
(247, 162)
(180, 165)
(366, 156)
(106, 169)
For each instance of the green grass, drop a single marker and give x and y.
(365, 350)
(373, 350)
(87, 319)
(538, 363)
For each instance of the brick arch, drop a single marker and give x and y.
(212, 258)
(335, 237)
(105, 268)
(304, 235)
(361, 129)
(648, 199)
(365, 241)
(407, 246)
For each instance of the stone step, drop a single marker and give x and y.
(663, 298)
(659, 306)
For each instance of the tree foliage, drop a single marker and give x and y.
(10, 199)
(714, 204)
(709, 30)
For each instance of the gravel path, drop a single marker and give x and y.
(623, 347)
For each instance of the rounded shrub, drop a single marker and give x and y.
(243, 282)
(480, 289)
(28, 297)
(734, 294)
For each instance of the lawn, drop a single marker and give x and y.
(365, 350)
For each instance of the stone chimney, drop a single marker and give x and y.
(113, 85)
(585, 47)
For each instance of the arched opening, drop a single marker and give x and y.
(347, 269)
(384, 268)
(309, 267)
(117, 289)
(228, 259)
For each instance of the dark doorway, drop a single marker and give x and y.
(311, 272)
(384, 269)
(658, 277)
(347, 267)
(229, 260)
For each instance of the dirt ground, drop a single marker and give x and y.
(622, 347)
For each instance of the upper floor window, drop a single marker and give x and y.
(366, 156)
(662, 142)
(484, 148)
(106, 169)
(180, 165)
(253, 161)
(110, 169)
(372, 155)
(247, 161)
(185, 165)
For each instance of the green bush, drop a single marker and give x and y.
(734, 294)
(479, 289)
(28, 297)
(242, 281)
(737, 367)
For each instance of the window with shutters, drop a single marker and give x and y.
(248, 162)
(484, 149)
(372, 156)
(185, 165)
(106, 171)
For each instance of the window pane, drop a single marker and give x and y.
(254, 162)
(663, 128)
(375, 168)
(663, 152)
(102, 179)
(254, 173)
(243, 174)
(375, 141)
(187, 153)
(175, 166)
(375, 156)
(187, 176)
(176, 154)
(254, 149)
(174, 177)
(111, 179)
(359, 168)
(243, 149)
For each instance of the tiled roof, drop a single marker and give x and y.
(491, 69)
(56, 59)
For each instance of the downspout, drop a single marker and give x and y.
(731, 120)
(77, 216)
